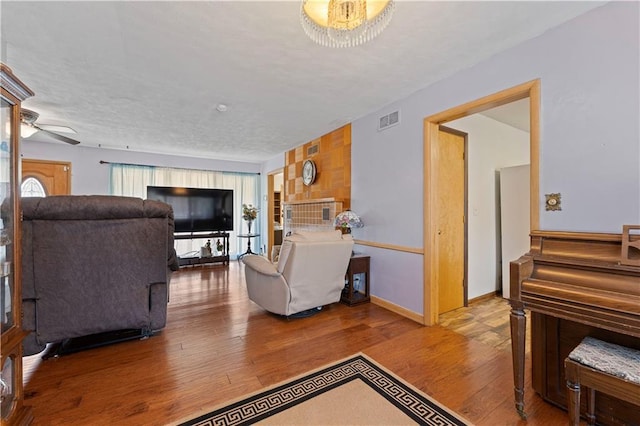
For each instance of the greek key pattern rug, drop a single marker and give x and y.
(294, 402)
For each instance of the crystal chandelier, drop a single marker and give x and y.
(345, 23)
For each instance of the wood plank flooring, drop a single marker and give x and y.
(218, 346)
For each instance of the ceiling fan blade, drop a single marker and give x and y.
(57, 129)
(57, 136)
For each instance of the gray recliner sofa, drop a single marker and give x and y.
(94, 264)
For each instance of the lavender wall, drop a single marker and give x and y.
(590, 140)
(88, 176)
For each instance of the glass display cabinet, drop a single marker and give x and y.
(12, 410)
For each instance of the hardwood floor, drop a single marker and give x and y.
(218, 346)
(485, 320)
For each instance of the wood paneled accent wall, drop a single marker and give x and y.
(333, 163)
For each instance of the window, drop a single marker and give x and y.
(132, 181)
(31, 187)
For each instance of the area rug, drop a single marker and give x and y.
(354, 391)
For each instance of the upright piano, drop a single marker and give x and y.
(574, 284)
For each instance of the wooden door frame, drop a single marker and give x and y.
(529, 89)
(270, 206)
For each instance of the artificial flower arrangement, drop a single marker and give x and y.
(249, 212)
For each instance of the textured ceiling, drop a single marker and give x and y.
(147, 76)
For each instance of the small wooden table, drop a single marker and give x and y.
(356, 289)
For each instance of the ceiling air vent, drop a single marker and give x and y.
(312, 149)
(389, 120)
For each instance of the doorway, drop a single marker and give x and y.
(432, 208)
(275, 190)
(50, 177)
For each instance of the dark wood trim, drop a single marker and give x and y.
(13, 92)
(13, 84)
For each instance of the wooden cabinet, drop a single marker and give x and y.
(12, 393)
(277, 207)
(277, 218)
(356, 289)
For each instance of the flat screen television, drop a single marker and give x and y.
(197, 209)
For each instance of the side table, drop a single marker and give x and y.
(356, 289)
(248, 237)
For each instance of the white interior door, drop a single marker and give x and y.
(515, 212)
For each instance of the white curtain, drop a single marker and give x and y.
(132, 181)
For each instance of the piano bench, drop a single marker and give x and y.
(603, 367)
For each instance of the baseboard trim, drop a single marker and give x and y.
(485, 297)
(414, 316)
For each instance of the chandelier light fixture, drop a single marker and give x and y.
(345, 23)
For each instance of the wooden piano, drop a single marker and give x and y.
(575, 284)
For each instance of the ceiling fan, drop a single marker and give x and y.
(28, 118)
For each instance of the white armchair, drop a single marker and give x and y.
(309, 273)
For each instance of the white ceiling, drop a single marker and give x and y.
(147, 76)
(515, 114)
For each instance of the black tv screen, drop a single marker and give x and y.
(196, 209)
